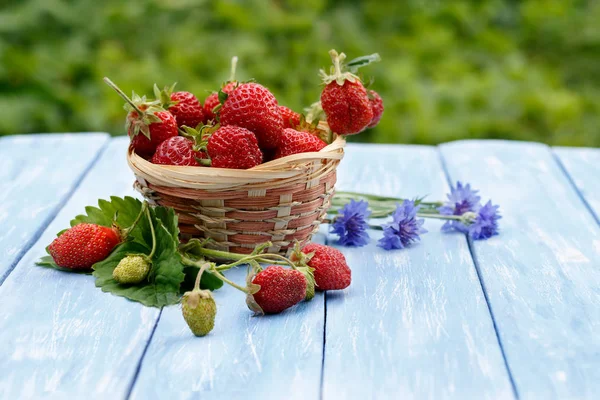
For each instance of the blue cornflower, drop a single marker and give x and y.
(461, 199)
(404, 229)
(486, 223)
(351, 224)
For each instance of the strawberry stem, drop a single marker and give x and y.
(125, 232)
(234, 61)
(199, 276)
(231, 283)
(123, 95)
(152, 232)
(337, 59)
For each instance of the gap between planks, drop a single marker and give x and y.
(482, 284)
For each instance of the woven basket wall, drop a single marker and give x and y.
(280, 201)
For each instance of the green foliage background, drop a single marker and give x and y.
(451, 69)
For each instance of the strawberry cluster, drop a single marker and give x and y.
(242, 125)
(269, 290)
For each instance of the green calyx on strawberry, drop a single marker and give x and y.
(309, 275)
(200, 136)
(148, 124)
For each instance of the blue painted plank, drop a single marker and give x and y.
(541, 274)
(267, 357)
(60, 336)
(414, 323)
(37, 174)
(583, 167)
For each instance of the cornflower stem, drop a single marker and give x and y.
(373, 197)
(439, 216)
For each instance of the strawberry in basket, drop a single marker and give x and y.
(253, 106)
(212, 101)
(148, 124)
(184, 106)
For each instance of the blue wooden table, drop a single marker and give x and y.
(516, 316)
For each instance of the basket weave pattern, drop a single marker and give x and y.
(280, 201)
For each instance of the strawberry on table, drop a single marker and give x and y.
(344, 99)
(331, 270)
(83, 245)
(294, 142)
(280, 288)
(252, 106)
(148, 124)
(233, 147)
(177, 150)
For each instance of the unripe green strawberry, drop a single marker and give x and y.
(131, 269)
(199, 310)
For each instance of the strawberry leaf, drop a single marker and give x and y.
(166, 274)
(48, 262)
(126, 209)
(161, 288)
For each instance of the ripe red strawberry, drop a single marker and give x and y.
(376, 106)
(177, 151)
(234, 147)
(347, 107)
(344, 99)
(294, 142)
(280, 288)
(158, 132)
(184, 106)
(331, 269)
(83, 245)
(213, 100)
(291, 119)
(253, 107)
(148, 125)
(187, 109)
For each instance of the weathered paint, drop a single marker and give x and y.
(37, 174)
(542, 273)
(414, 323)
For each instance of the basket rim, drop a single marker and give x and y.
(189, 176)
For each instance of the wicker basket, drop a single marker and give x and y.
(280, 201)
